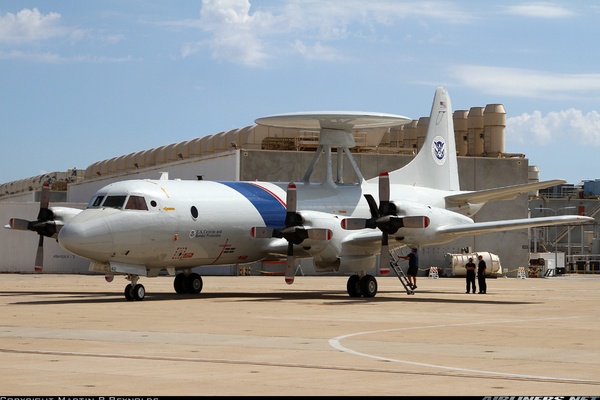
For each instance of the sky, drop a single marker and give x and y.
(84, 81)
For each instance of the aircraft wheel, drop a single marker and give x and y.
(139, 292)
(129, 292)
(194, 283)
(368, 286)
(179, 283)
(353, 286)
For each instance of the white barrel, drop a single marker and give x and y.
(457, 262)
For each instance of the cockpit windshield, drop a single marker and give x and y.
(118, 201)
(114, 201)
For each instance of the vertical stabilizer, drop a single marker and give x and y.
(435, 166)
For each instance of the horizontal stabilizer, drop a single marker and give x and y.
(503, 193)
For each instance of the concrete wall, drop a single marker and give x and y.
(222, 166)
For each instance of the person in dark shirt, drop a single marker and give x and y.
(413, 267)
(481, 276)
(470, 266)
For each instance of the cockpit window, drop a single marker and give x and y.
(95, 201)
(114, 201)
(136, 203)
(118, 201)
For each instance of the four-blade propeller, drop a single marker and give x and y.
(293, 231)
(44, 225)
(384, 217)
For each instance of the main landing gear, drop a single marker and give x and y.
(134, 290)
(187, 283)
(365, 286)
(190, 283)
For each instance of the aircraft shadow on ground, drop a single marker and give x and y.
(337, 297)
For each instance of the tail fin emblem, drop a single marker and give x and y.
(438, 149)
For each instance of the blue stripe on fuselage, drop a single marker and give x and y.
(271, 208)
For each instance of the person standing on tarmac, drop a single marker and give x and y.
(481, 276)
(470, 266)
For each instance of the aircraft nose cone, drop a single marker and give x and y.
(87, 235)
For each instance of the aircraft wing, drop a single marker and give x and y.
(372, 237)
(502, 193)
(511, 224)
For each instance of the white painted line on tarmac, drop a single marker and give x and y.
(336, 343)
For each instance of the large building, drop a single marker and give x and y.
(276, 154)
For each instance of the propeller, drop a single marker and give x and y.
(43, 226)
(384, 218)
(293, 232)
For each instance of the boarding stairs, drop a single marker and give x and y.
(394, 264)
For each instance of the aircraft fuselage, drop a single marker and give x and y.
(190, 223)
(187, 223)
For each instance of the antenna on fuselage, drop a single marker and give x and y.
(341, 141)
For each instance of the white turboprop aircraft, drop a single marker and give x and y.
(140, 227)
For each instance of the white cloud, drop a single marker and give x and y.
(558, 126)
(306, 27)
(322, 12)
(49, 57)
(527, 83)
(318, 51)
(540, 10)
(235, 32)
(29, 25)
(36, 57)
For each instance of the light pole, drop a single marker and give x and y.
(555, 211)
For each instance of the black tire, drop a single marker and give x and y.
(353, 286)
(368, 286)
(129, 292)
(193, 283)
(179, 283)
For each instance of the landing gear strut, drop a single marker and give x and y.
(184, 283)
(365, 286)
